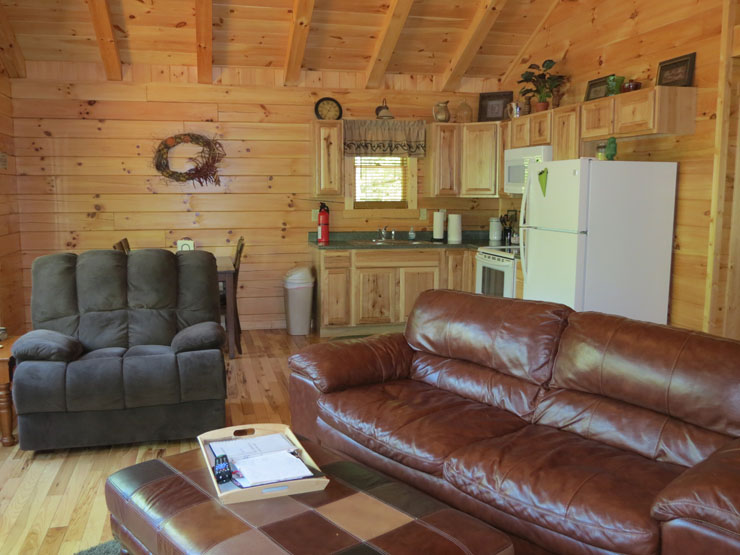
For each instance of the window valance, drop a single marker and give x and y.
(384, 138)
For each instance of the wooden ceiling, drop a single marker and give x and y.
(450, 39)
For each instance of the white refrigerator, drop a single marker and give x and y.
(599, 236)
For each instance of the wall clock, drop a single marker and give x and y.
(328, 108)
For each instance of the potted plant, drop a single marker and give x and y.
(540, 83)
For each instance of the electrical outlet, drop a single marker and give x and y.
(422, 213)
(185, 245)
(315, 215)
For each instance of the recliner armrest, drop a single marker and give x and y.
(338, 365)
(46, 345)
(204, 335)
(708, 492)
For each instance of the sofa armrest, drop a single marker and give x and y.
(341, 364)
(205, 335)
(708, 492)
(46, 345)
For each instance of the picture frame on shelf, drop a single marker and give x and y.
(492, 106)
(596, 88)
(677, 72)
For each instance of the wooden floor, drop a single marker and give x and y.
(53, 502)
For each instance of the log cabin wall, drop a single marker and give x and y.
(11, 292)
(592, 38)
(86, 178)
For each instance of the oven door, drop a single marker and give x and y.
(495, 278)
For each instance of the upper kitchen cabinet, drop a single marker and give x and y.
(539, 128)
(328, 153)
(565, 125)
(661, 110)
(443, 159)
(519, 132)
(479, 158)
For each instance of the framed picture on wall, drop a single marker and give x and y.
(596, 88)
(677, 72)
(492, 106)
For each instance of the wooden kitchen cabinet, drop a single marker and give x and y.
(374, 296)
(413, 282)
(461, 270)
(334, 288)
(519, 132)
(565, 132)
(539, 128)
(443, 159)
(597, 118)
(519, 294)
(658, 110)
(479, 144)
(327, 142)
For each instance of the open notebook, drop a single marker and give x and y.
(261, 460)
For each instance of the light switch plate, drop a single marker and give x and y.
(315, 215)
(422, 213)
(3, 161)
(185, 245)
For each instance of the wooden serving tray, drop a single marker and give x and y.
(230, 493)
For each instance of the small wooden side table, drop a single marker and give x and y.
(7, 364)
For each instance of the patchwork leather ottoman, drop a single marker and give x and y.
(168, 506)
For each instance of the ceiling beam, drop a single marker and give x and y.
(302, 12)
(485, 16)
(204, 40)
(100, 15)
(11, 57)
(395, 19)
(520, 57)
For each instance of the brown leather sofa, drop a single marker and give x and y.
(573, 432)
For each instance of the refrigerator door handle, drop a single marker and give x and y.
(523, 228)
(523, 251)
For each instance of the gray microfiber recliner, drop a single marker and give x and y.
(125, 348)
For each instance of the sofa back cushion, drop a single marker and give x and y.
(668, 394)
(495, 350)
(106, 298)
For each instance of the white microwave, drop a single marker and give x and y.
(516, 166)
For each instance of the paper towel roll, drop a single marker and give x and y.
(454, 229)
(438, 231)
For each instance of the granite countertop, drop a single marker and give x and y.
(423, 240)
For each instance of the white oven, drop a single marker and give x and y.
(495, 271)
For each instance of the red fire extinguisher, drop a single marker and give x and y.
(323, 235)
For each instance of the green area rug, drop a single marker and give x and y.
(108, 548)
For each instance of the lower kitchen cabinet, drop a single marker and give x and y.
(413, 282)
(374, 296)
(374, 290)
(519, 281)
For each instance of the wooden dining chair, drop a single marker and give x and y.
(122, 246)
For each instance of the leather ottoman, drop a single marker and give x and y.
(168, 506)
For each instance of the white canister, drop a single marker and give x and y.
(495, 230)
(454, 229)
(438, 228)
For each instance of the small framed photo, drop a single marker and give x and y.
(596, 89)
(677, 72)
(492, 106)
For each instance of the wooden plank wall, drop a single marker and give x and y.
(592, 38)
(11, 293)
(86, 177)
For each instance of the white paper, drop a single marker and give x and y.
(269, 468)
(244, 448)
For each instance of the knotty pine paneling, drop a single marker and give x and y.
(11, 292)
(84, 157)
(631, 39)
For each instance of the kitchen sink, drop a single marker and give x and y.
(387, 242)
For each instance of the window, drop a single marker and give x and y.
(381, 182)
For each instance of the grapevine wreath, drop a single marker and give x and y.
(205, 168)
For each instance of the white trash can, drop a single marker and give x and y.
(298, 286)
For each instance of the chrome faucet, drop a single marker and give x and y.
(393, 234)
(382, 232)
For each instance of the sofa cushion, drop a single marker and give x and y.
(106, 352)
(95, 384)
(514, 337)
(658, 391)
(574, 486)
(413, 423)
(476, 382)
